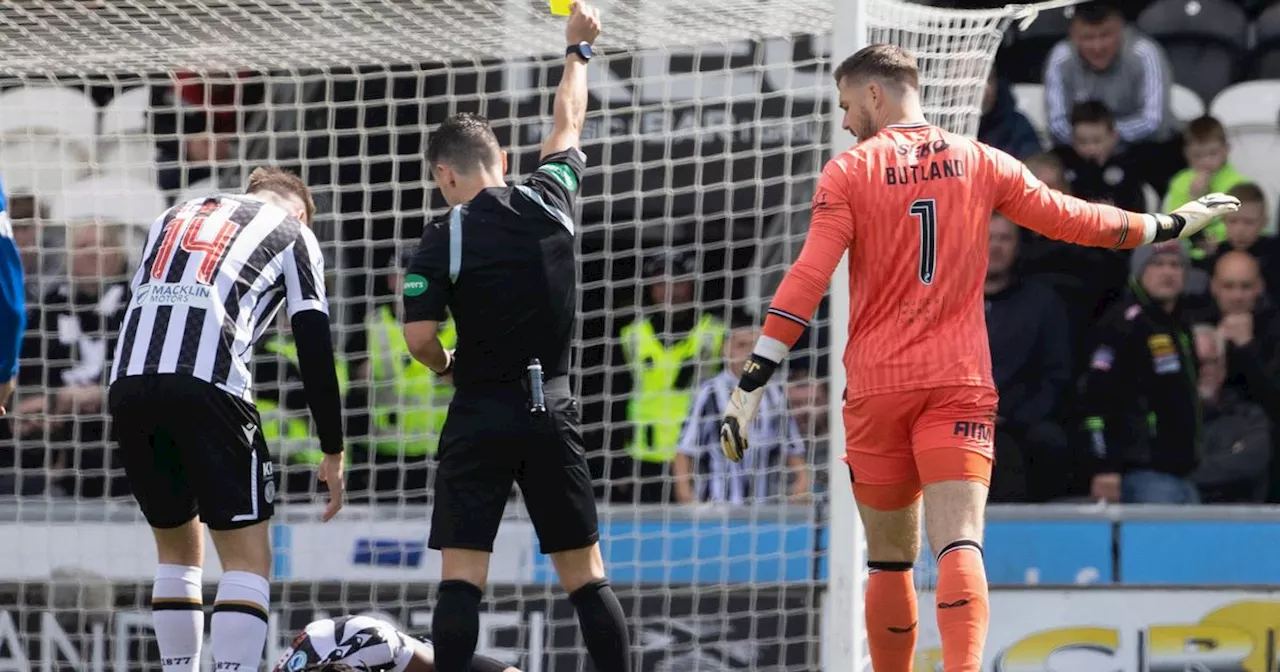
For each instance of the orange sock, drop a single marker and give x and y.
(891, 616)
(963, 610)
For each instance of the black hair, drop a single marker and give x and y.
(463, 142)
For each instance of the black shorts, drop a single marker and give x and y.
(190, 448)
(490, 440)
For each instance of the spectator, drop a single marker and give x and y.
(1095, 167)
(1002, 126)
(1234, 463)
(808, 398)
(1048, 168)
(1249, 328)
(1139, 396)
(1031, 364)
(1088, 279)
(1204, 145)
(406, 404)
(1103, 59)
(66, 360)
(660, 360)
(776, 444)
(1244, 234)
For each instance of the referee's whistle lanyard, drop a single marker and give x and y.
(537, 397)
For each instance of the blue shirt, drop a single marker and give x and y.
(13, 303)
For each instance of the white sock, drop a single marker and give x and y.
(239, 622)
(178, 617)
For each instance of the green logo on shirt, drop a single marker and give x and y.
(562, 174)
(414, 285)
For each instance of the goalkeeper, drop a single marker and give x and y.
(911, 204)
(364, 643)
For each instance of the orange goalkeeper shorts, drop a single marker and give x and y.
(899, 441)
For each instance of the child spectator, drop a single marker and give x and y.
(1094, 167)
(1048, 168)
(1244, 233)
(1204, 144)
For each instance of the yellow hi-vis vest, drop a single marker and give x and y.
(409, 402)
(656, 408)
(289, 432)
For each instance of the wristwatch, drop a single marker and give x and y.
(582, 49)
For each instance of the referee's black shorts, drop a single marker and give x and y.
(190, 448)
(490, 440)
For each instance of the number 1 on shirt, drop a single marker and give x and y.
(926, 210)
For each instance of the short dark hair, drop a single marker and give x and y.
(1248, 192)
(741, 319)
(1093, 13)
(463, 142)
(1048, 159)
(283, 182)
(1092, 112)
(882, 61)
(1204, 129)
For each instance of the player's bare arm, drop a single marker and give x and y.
(423, 341)
(571, 96)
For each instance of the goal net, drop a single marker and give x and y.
(708, 125)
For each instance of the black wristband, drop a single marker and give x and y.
(1170, 231)
(756, 372)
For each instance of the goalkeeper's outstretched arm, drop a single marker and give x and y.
(830, 234)
(571, 96)
(1028, 202)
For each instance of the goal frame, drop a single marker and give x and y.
(844, 637)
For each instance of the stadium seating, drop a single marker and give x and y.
(47, 137)
(121, 199)
(199, 189)
(1023, 59)
(126, 146)
(1263, 61)
(1029, 99)
(1204, 40)
(1250, 111)
(1185, 103)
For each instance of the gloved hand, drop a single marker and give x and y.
(737, 418)
(1190, 219)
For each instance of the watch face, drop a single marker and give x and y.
(585, 49)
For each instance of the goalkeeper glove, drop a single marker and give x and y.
(743, 402)
(1188, 220)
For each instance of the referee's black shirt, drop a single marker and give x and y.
(503, 265)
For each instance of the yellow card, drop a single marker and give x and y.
(561, 7)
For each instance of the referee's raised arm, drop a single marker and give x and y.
(571, 96)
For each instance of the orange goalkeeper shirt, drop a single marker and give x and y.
(912, 206)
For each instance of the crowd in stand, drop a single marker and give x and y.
(1151, 376)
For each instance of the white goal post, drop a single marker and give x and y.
(709, 123)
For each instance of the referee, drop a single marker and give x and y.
(502, 262)
(215, 271)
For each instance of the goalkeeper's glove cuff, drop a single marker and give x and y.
(756, 373)
(1167, 227)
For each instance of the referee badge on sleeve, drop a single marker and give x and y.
(414, 285)
(562, 174)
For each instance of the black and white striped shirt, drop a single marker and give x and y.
(215, 271)
(775, 437)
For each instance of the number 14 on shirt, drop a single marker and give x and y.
(213, 249)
